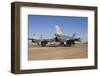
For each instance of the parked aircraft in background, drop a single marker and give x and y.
(59, 37)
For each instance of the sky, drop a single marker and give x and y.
(44, 26)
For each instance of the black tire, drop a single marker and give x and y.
(65, 45)
(68, 43)
(43, 43)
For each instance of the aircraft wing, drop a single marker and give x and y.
(40, 40)
(75, 39)
(35, 40)
(49, 40)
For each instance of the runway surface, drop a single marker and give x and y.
(50, 53)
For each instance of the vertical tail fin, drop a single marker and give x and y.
(58, 30)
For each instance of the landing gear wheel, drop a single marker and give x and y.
(68, 43)
(43, 43)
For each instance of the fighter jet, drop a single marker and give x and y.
(59, 37)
